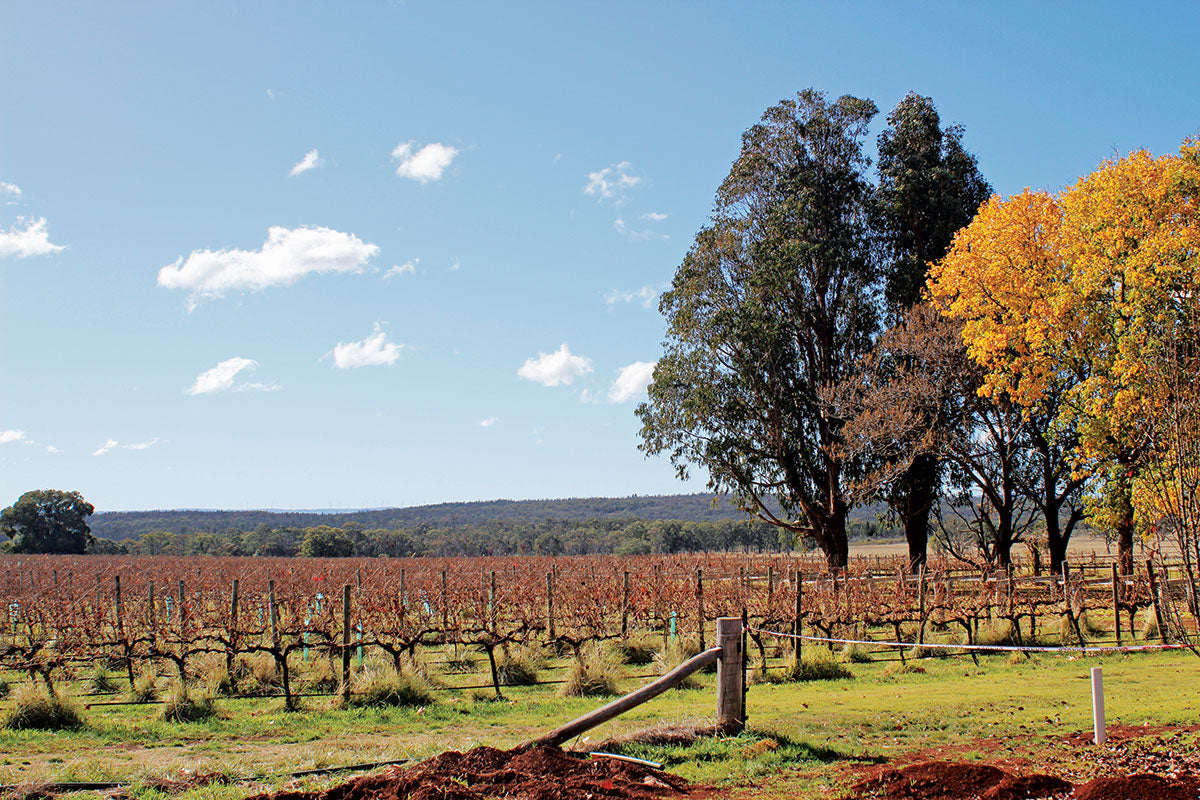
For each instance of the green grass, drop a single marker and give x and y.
(800, 738)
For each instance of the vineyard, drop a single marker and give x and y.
(169, 614)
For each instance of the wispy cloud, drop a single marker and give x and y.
(631, 381)
(373, 351)
(223, 378)
(10, 190)
(9, 436)
(645, 295)
(52, 450)
(33, 240)
(286, 257)
(653, 216)
(637, 235)
(312, 159)
(109, 445)
(426, 164)
(487, 423)
(402, 269)
(612, 183)
(559, 368)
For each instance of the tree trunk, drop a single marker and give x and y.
(916, 493)
(1123, 500)
(834, 540)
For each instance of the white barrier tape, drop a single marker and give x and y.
(992, 647)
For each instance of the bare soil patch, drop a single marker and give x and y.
(1136, 763)
(542, 773)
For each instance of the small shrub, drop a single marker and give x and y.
(212, 672)
(639, 649)
(483, 696)
(1150, 627)
(817, 667)
(675, 653)
(184, 706)
(462, 661)
(317, 676)
(998, 634)
(144, 689)
(902, 668)
(33, 709)
(5, 688)
(261, 675)
(594, 673)
(101, 681)
(384, 686)
(519, 666)
(856, 654)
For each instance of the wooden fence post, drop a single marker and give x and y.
(1116, 600)
(731, 718)
(1154, 596)
(549, 606)
(797, 622)
(346, 644)
(233, 623)
(445, 607)
(625, 605)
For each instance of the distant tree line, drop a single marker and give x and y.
(548, 537)
(698, 507)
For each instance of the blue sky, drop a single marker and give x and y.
(304, 255)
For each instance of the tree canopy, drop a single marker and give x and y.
(771, 307)
(1076, 300)
(48, 521)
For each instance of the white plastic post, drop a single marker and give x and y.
(1098, 705)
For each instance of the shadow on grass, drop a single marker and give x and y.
(766, 748)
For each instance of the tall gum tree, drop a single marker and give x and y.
(929, 188)
(770, 309)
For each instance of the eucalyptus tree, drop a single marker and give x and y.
(930, 186)
(771, 308)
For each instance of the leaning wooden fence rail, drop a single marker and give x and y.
(731, 716)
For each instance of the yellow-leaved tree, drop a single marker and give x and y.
(1072, 303)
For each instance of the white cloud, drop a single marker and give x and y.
(487, 423)
(631, 381)
(52, 450)
(559, 368)
(454, 267)
(426, 164)
(612, 183)
(112, 443)
(32, 241)
(653, 216)
(10, 189)
(374, 351)
(9, 436)
(406, 267)
(286, 257)
(221, 378)
(312, 159)
(645, 295)
(638, 236)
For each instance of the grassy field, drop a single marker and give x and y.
(803, 740)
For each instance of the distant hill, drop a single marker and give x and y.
(688, 507)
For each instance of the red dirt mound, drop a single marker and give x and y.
(944, 780)
(543, 773)
(1138, 787)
